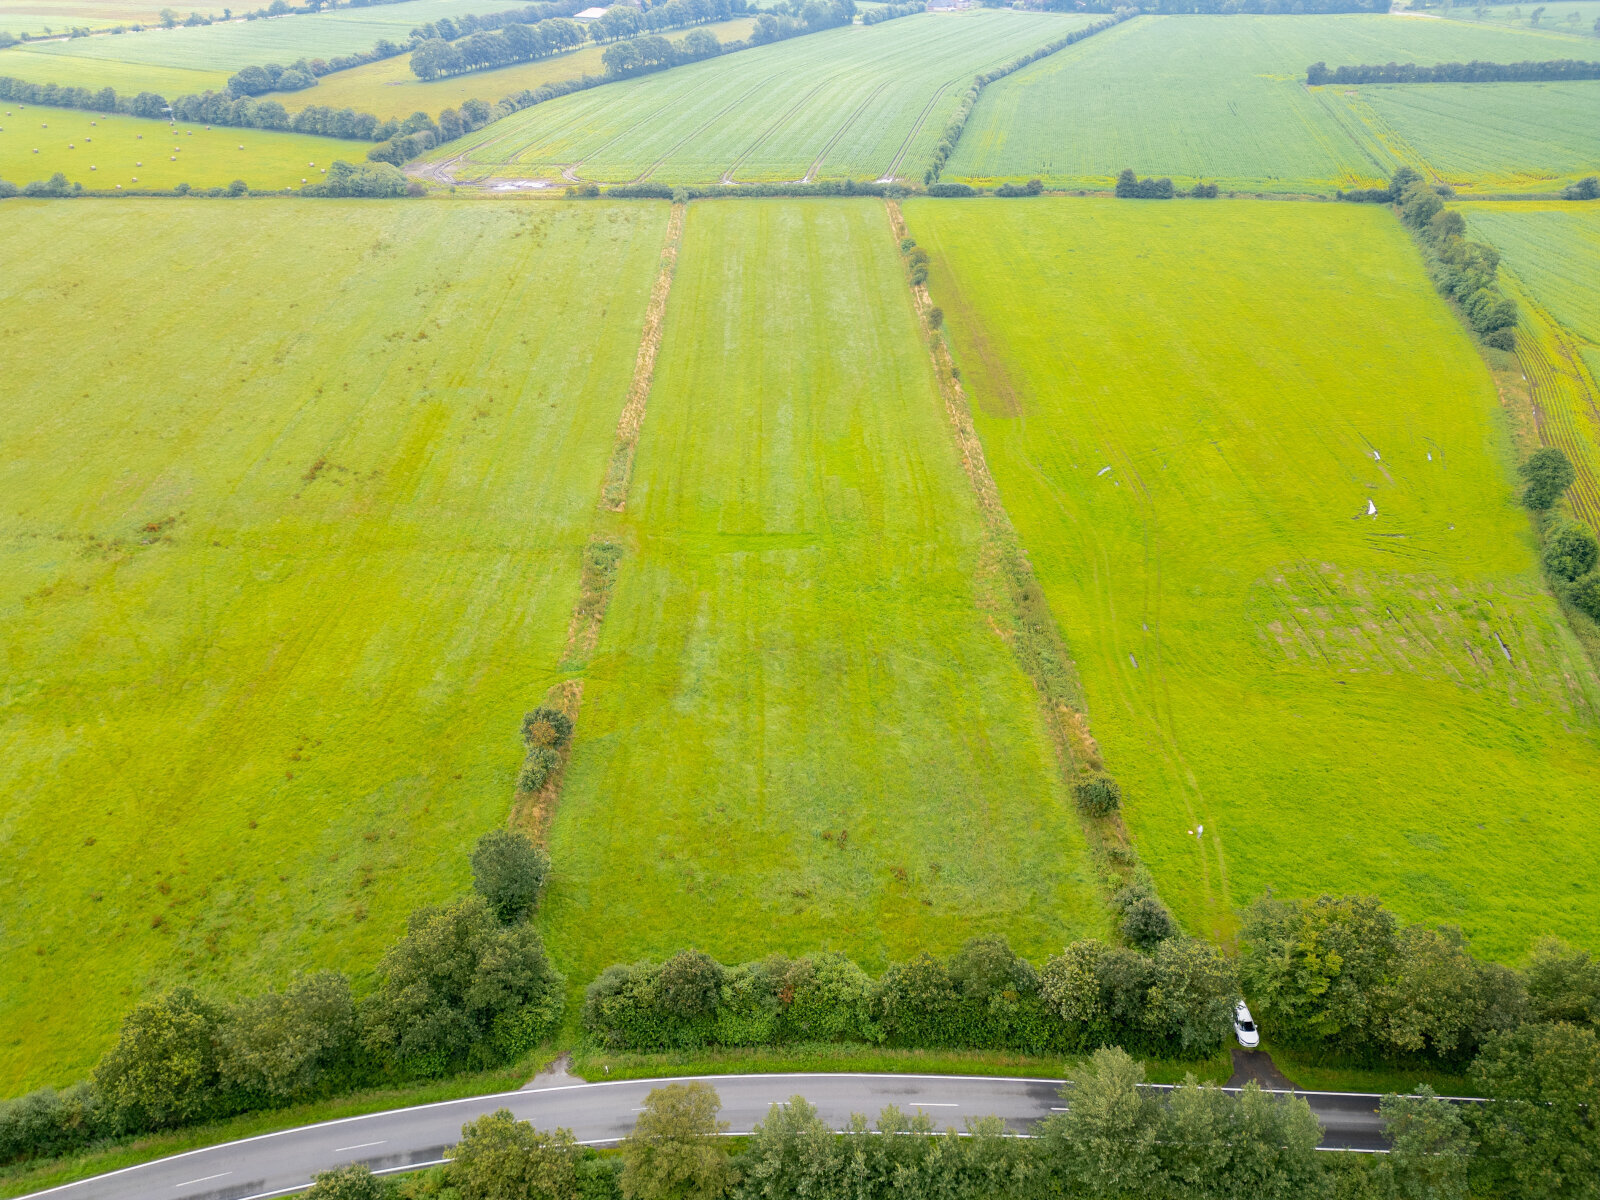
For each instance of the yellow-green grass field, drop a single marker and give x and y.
(1550, 260)
(388, 88)
(802, 729)
(291, 509)
(117, 60)
(1198, 98)
(1189, 408)
(130, 152)
(854, 102)
(35, 65)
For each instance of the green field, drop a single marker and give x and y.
(1550, 261)
(800, 729)
(41, 17)
(389, 89)
(129, 152)
(859, 102)
(216, 51)
(1487, 137)
(293, 503)
(1557, 16)
(1188, 408)
(1224, 100)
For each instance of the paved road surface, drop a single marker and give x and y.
(276, 1164)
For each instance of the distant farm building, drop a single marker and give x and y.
(589, 14)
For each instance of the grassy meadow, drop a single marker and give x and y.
(389, 89)
(801, 730)
(1189, 408)
(123, 60)
(1566, 16)
(107, 152)
(294, 498)
(857, 102)
(1550, 259)
(1224, 100)
(39, 18)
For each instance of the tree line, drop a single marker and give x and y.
(1462, 269)
(958, 121)
(1454, 72)
(437, 55)
(1226, 7)
(451, 28)
(468, 986)
(879, 13)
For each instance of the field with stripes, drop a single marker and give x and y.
(856, 102)
(1196, 98)
(1551, 260)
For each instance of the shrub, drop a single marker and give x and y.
(501, 1158)
(273, 1048)
(163, 1069)
(7, 190)
(951, 189)
(1549, 473)
(541, 761)
(56, 185)
(1585, 189)
(1584, 594)
(1570, 551)
(1501, 339)
(457, 978)
(935, 317)
(354, 1181)
(546, 727)
(509, 872)
(48, 1123)
(1204, 191)
(1032, 188)
(375, 179)
(1131, 187)
(689, 981)
(1098, 796)
(1146, 923)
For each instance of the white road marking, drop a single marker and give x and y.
(359, 1146)
(202, 1179)
(930, 1104)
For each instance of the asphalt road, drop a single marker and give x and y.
(276, 1164)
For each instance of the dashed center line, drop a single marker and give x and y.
(202, 1179)
(359, 1146)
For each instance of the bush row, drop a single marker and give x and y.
(1131, 187)
(1461, 269)
(467, 987)
(1571, 553)
(1174, 1002)
(958, 121)
(211, 108)
(888, 12)
(1454, 72)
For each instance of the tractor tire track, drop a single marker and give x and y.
(816, 163)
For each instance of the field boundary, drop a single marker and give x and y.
(614, 493)
(532, 809)
(1025, 622)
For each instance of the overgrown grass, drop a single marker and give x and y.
(800, 731)
(1223, 100)
(854, 102)
(389, 89)
(294, 505)
(1188, 408)
(596, 1065)
(107, 152)
(19, 1179)
(1322, 1074)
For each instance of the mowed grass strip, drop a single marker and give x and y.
(1218, 99)
(294, 499)
(106, 152)
(389, 89)
(849, 99)
(800, 731)
(1188, 408)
